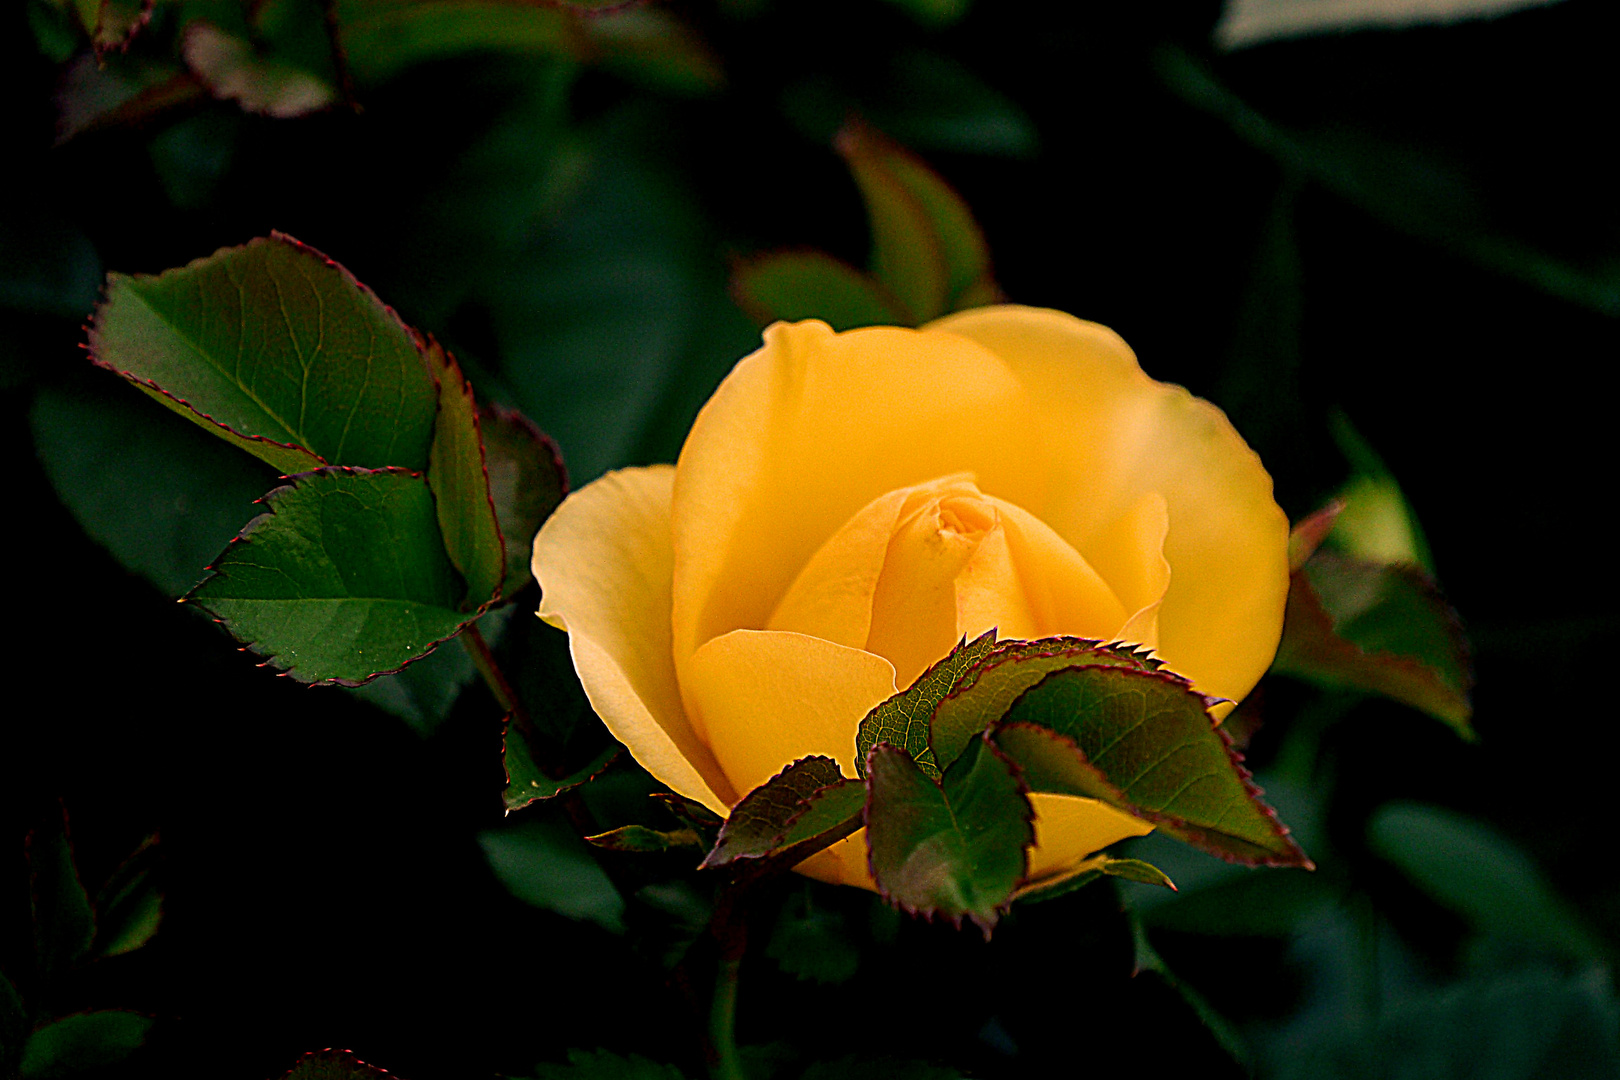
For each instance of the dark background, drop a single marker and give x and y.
(1416, 227)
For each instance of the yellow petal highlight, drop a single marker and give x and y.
(1129, 552)
(604, 564)
(1112, 435)
(767, 698)
(810, 429)
(1065, 594)
(1068, 830)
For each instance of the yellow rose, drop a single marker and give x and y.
(848, 506)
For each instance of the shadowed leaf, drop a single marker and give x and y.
(13, 1027)
(915, 218)
(542, 862)
(810, 790)
(955, 848)
(1382, 629)
(1094, 869)
(604, 1065)
(64, 923)
(639, 838)
(527, 784)
(82, 1042)
(794, 285)
(343, 578)
(233, 70)
(129, 908)
(277, 349)
(526, 483)
(461, 489)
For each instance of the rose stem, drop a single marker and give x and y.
(731, 932)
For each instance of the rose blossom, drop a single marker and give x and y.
(848, 506)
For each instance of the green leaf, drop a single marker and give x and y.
(1382, 629)
(117, 23)
(987, 689)
(13, 1027)
(527, 783)
(1144, 742)
(1529, 1025)
(794, 285)
(605, 1065)
(1305, 537)
(157, 493)
(82, 1042)
(278, 350)
(812, 941)
(543, 863)
(233, 70)
(802, 802)
(639, 838)
(1376, 524)
(129, 908)
(954, 848)
(381, 39)
(691, 811)
(651, 45)
(1095, 869)
(343, 578)
(926, 245)
(527, 481)
(334, 1065)
(64, 923)
(1249, 22)
(460, 481)
(908, 255)
(1470, 868)
(903, 720)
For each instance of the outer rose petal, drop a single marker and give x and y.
(767, 698)
(1113, 435)
(807, 431)
(604, 565)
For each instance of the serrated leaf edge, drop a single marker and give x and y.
(426, 343)
(506, 734)
(270, 659)
(122, 44)
(1174, 822)
(802, 807)
(349, 1056)
(1017, 773)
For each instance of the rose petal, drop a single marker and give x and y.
(766, 698)
(811, 428)
(1129, 553)
(1069, 830)
(1113, 435)
(1066, 595)
(604, 565)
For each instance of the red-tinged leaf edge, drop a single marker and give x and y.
(103, 44)
(1305, 608)
(500, 417)
(1012, 650)
(213, 568)
(581, 776)
(332, 1056)
(801, 780)
(279, 237)
(1177, 826)
(1093, 869)
(1016, 772)
(1307, 536)
(111, 892)
(44, 923)
(455, 380)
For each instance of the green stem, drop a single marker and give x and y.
(731, 933)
